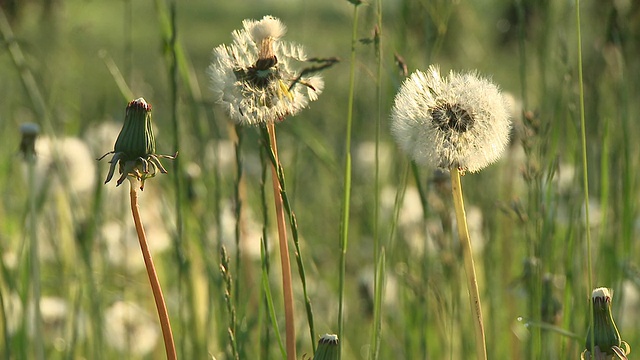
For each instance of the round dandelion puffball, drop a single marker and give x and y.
(461, 120)
(254, 79)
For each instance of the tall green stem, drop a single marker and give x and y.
(35, 260)
(465, 246)
(344, 236)
(585, 171)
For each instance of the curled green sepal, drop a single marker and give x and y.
(135, 148)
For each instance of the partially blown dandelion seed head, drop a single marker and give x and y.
(461, 120)
(253, 79)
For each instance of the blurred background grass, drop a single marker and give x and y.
(527, 209)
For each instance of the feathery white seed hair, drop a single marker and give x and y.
(602, 292)
(278, 97)
(427, 142)
(268, 27)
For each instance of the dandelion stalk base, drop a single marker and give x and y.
(465, 245)
(153, 276)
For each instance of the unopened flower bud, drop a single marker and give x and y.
(135, 148)
(328, 348)
(29, 133)
(605, 332)
(136, 137)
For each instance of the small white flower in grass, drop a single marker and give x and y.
(130, 328)
(461, 120)
(253, 78)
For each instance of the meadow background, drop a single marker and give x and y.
(66, 64)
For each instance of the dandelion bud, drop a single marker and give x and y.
(605, 333)
(328, 348)
(136, 137)
(135, 148)
(29, 133)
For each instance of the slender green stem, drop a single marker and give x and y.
(284, 252)
(293, 224)
(585, 171)
(344, 236)
(35, 260)
(465, 245)
(161, 306)
(264, 257)
(269, 298)
(377, 304)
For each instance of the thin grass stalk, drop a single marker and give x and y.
(467, 254)
(128, 41)
(293, 224)
(237, 193)
(377, 305)
(264, 257)
(269, 299)
(73, 319)
(228, 282)
(379, 285)
(117, 76)
(585, 171)
(287, 286)
(38, 345)
(346, 201)
(181, 244)
(161, 307)
(26, 76)
(3, 315)
(86, 250)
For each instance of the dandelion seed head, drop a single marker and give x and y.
(253, 78)
(128, 327)
(461, 120)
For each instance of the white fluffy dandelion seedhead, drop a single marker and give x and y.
(461, 120)
(253, 79)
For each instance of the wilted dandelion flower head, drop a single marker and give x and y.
(461, 120)
(253, 78)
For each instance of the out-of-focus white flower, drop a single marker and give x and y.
(250, 231)
(13, 312)
(102, 136)
(121, 242)
(56, 320)
(130, 328)
(365, 158)
(253, 78)
(223, 153)
(461, 120)
(366, 287)
(630, 305)
(66, 159)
